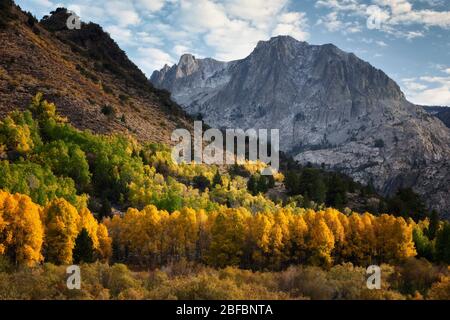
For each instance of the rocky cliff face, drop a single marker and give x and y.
(331, 107)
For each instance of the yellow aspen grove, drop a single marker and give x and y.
(21, 230)
(61, 221)
(262, 240)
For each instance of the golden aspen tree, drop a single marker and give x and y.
(331, 218)
(395, 240)
(309, 216)
(98, 233)
(228, 237)
(16, 137)
(88, 222)
(369, 245)
(204, 222)
(152, 240)
(104, 242)
(405, 243)
(133, 237)
(3, 224)
(259, 228)
(189, 231)
(174, 242)
(385, 237)
(320, 243)
(21, 230)
(280, 238)
(299, 232)
(61, 221)
(354, 239)
(114, 228)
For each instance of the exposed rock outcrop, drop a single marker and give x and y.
(331, 107)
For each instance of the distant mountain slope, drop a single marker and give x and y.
(331, 107)
(85, 73)
(443, 113)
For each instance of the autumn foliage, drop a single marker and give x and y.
(59, 186)
(236, 237)
(30, 233)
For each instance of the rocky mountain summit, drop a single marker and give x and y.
(331, 107)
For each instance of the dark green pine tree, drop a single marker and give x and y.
(217, 180)
(443, 244)
(292, 182)
(434, 225)
(84, 248)
(252, 185)
(105, 210)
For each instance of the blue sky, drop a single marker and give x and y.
(408, 39)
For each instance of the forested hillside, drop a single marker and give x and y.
(71, 196)
(85, 72)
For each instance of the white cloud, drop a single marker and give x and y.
(332, 23)
(201, 15)
(343, 5)
(292, 24)
(42, 3)
(393, 16)
(232, 28)
(226, 29)
(428, 90)
(150, 59)
(233, 41)
(122, 12)
(121, 35)
(150, 5)
(259, 12)
(179, 50)
(147, 38)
